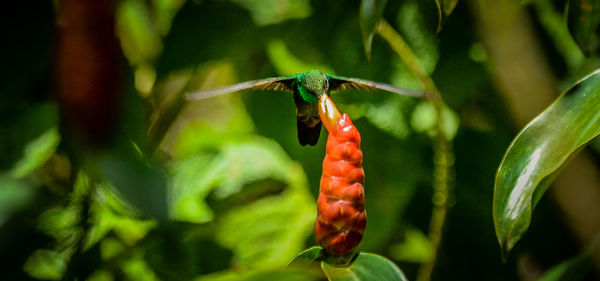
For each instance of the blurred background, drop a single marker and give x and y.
(107, 173)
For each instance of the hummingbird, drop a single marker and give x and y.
(307, 88)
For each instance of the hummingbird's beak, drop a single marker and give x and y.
(324, 93)
(325, 85)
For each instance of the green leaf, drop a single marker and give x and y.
(37, 152)
(309, 261)
(265, 12)
(136, 268)
(137, 32)
(260, 159)
(141, 184)
(570, 270)
(264, 211)
(27, 137)
(309, 255)
(64, 225)
(14, 195)
(414, 26)
(538, 152)
(445, 8)
(110, 212)
(259, 275)
(101, 275)
(583, 20)
(370, 14)
(237, 165)
(269, 231)
(193, 178)
(365, 267)
(415, 248)
(47, 264)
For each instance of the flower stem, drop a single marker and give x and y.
(443, 158)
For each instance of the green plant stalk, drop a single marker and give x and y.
(553, 23)
(443, 155)
(406, 54)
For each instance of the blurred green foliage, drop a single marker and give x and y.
(220, 189)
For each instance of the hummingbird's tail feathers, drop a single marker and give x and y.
(308, 135)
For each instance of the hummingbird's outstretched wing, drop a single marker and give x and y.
(341, 83)
(284, 84)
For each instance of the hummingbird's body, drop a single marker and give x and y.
(307, 88)
(308, 122)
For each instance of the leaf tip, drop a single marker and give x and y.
(506, 245)
(368, 40)
(504, 255)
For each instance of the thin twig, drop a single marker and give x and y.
(443, 154)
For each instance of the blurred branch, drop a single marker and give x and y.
(168, 101)
(162, 118)
(520, 71)
(443, 158)
(87, 64)
(523, 77)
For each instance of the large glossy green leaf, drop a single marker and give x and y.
(370, 14)
(584, 17)
(365, 267)
(538, 152)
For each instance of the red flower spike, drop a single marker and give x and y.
(341, 218)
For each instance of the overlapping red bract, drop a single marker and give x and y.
(341, 218)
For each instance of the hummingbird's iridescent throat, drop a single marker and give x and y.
(312, 85)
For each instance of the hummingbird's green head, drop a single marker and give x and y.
(312, 85)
